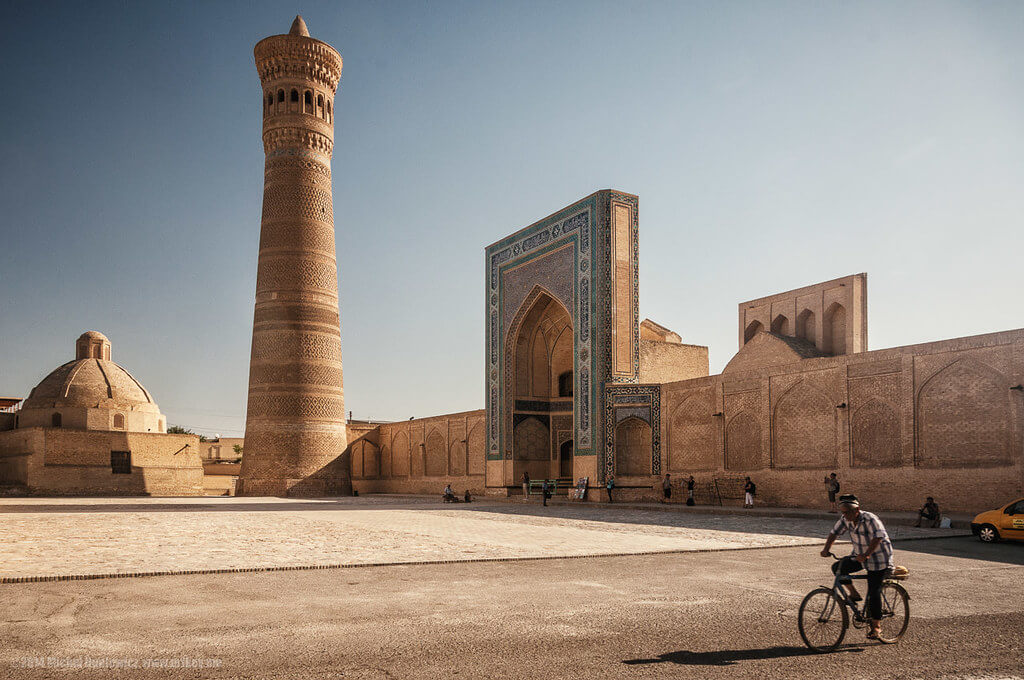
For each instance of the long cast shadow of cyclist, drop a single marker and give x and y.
(729, 657)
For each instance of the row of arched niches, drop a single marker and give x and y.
(293, 101)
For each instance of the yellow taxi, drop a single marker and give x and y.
(1006, 522)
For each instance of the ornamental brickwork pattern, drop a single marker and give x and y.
(603, 306)
(295, 428)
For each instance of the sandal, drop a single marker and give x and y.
(872, 635)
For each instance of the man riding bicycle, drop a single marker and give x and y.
(872, 550)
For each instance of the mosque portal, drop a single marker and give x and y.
(542, 409)
(563, 346)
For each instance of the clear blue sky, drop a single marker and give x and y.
(772, 145)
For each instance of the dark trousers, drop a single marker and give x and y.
(849, 565)
(609, 494)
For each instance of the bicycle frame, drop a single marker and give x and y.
(841, 594)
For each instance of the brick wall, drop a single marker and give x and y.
(662, 362)
(77, 462)
(897, 425)
(421, 455)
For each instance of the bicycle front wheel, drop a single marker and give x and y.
(823, 620)
(895, 612)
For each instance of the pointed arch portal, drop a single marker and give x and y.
(542, 362)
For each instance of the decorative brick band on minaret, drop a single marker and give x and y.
(295, 427)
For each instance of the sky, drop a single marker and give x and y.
(772, 145)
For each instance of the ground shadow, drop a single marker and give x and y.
(730, 657)
(968, 547)
(807, 527)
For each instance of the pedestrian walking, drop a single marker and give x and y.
(526, 485)
(609, 485)
(666, 488)
(690, 483)
(545, 492)
(749, 491)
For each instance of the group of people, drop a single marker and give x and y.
(666, 489)
(448, 496)
(749, 491)
(927, 516)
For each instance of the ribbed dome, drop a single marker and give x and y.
(91, 393)
(88, 383)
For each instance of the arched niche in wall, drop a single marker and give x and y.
(532, 440)
(804, 429)
(436, 461)
(371, 459)
(692, 435)
(780, 325)
(834, 329)
(356, 459)
(743, 449)
(875, 434)
(457, 459)
(543, 344)
(965, 417)
(400, 455)
(805, 326)
(633, 448)
(753, 328)
(476, 453)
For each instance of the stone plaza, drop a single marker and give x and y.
(124, 536)
(413, 588)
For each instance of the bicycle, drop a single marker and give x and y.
(825, 613)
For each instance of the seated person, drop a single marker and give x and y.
(929, 515)
(467, 497)
(449, 495)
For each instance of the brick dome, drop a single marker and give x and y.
(92, 382)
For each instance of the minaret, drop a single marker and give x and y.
(295, 428)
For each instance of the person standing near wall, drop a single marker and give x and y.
(749, 491)
(609, 485)
(526, 485)
(666, 488)
(689, 491)
(832, 487)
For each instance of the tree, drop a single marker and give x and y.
(237, 448)
(178, 429)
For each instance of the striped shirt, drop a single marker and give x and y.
(865, 529)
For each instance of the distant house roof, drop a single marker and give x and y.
(7, 402)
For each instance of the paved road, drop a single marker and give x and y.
(694, 615)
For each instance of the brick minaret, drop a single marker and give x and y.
(295, 428)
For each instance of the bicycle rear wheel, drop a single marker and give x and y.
(823, 620)
(895, 612)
